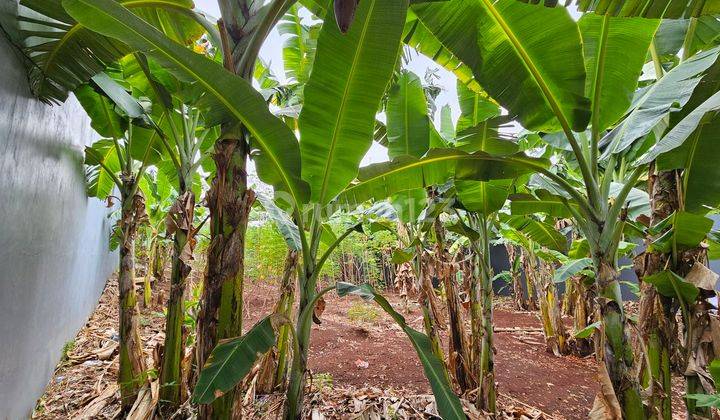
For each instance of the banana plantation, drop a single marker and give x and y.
(470, 186)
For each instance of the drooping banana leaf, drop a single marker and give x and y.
(454, 54)
(615, 50)
(103, 118)
(409, 204)
(669, 94)
(671, 285)
(669, 9)
(277, 157)
(382, 180)
(349, 77)
(231, 360)
(408, 125)
(540, 232)
(686, 231)
(67, 54)
(537, 75)
(284, 224)
(448, 404)
(681, 132)
(545, 202)
(697, 157)
(571, 268)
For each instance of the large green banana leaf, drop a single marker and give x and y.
(408, 125)
(542, 202)
(284, 224)
(698, 156)
(278, 157)
(418, 34)
(299, 46)
(381, 180)
(543, 233)
(66, 54)
(615, 50)
(102, 164)
(103, 118)
(231, 360)
(409, 204)
(668, 94)
(537, 75)
(691, 139)
(484, 197)
(690, 126)
(670, 9)
(448, 404)
(349, 77)
(475, 108)
(686, 231)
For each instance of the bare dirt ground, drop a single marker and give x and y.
(360, 362)
(562, 387)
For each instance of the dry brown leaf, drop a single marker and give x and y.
(98, 403)
(702, 277)
(145, 403)
(606, 405)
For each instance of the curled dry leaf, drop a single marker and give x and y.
(702, 277)
(318, 311)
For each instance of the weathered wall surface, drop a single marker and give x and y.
(54, 257)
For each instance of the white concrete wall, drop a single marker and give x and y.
(54, 254)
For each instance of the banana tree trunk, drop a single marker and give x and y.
(273, 369)
(583, 313)
(518, 295)
(131, 375)
(701, 326)
(179, 223)
(620, 391)
(699, 352)
(431, 317)
(220, 317)
(303, 326)
(481, 317)
(655, 318)
(553, 327)
(528, 269)
(457, 344)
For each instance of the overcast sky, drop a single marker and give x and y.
(272, 53)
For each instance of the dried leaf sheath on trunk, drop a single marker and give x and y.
(132, 363)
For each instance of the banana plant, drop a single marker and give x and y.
(119, 162)
(186, 139)
(158, 199)
(679, 194)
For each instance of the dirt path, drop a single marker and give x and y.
(372, 352)
(561, 386)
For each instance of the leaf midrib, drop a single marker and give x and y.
(530, 65)
(341, 110)
(596, 93)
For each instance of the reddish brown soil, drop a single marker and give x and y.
(560, 386)
(371, 354)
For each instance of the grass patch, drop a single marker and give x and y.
(363, 313)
